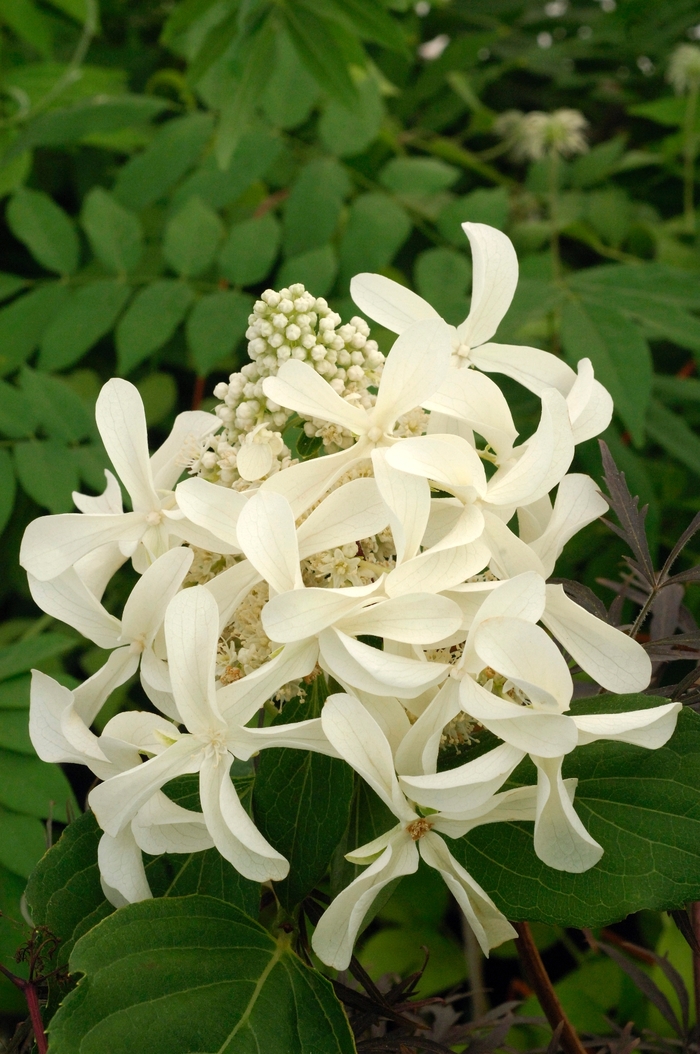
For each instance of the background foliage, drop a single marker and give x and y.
(160, 165)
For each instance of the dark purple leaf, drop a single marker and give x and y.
(627, 510)
(645, 985)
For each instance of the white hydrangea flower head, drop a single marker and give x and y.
(684, 68)
(535, 135)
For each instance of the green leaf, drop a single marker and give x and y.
(194, 973)
(600, 162)
(90, 117)
(22, 842)
(14, 732)
(23, 322)
(17, 415)
(31, 786)
(316, 268)
(293, 789)
(677, 389)
(417, 175)
(47, 231)
(57, 407)
(88, 315)
(366, 18)
(610, 212)
(347, 128)
(14, 693)
(159, 394)
(442, 277)
(182, 16)
(620, 356)
(28, 23)
(252, 158)
(655, 281)
(672, 433)
(668, 111)
(11, 284)
(250, 250)
(291, 91)
(175, 149)
(215, 326)
(24, 654)
(153, 316)
(48, 473)
(317, 47)
(191, 238)
(313, 207)
(238, 112)
(641, 805)
(220, 33)
(115, 233)
(7, 488)
(377, 228)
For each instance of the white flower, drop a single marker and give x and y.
(494, 283)
(684, 68)
(537, 134)
(52, 544)
(360, 740)
(216, 735)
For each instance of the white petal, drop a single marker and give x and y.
(144, 611)
(51, 544)
(267, 536)
(146, 733)
(234, 833)
(68, 599)
(170, 459)
(415, 368)
(215, 508)
(590, 404)
(302, 613)
(91, 694)
(547, 735)
(337, 929)
(389, 714)
(116, 802)
(414, 618)
(495, 268)
(477, 401)
(470, 597)
(254, 460)
(642, 728)
(97, 567)
(48, 700)
(378, 672)
(121, 866)
(522, 597)
(517, 804)
(178, 528)
(525, 654)
(360, 741)
(447, 459)
(611, 658)
(489, 925)
(510, 556)
(300, 735)
(298, 387)
(183, 837)
(354, 511)
(155, 672)
(577, 504)
(452, 524)
(110, 500)
(388, 303)
(561, 840)
(419, 747)
(534, 518)
(121, 422)
(239, 700)
(368, 853)
(436, 571)
(192, 633)
(467, 787)
(531, 367)
(231, 587)
(408, 501)
(303, 484)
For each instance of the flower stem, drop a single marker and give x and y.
(539, 981)
(28, 989)
(689, 144)
(554, 214)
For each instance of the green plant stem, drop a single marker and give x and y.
(475, 968)
(554, 214)
(539, 981)
(695, 922)
(689, 144)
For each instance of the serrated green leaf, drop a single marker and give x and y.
(672, 433)
(175, 149)
(8, 488)
(641, 805)
(313, 207)
(317, 48)
(90, 313)
(32, 787)
(347, 128)
(417, 175)
(293, 789)
(56, 407)
(191, 238)
(250, 250)
(90, 117)
(195, 974)
(620, 356)
(377, 228)
(22, 841)
(47, 231)
(291, 91)
(215, 325)
(30, 25)
(23, 322)
(47, 472)
(316, 269)
(115, 233)
(442, 278)
(11, 284)
(153, 316)
(23, 655)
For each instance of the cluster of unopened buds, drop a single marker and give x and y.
(431, 530)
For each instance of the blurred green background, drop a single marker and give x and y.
(163, 163)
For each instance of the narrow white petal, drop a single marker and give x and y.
(391, 305)
(354, 511)
(67, 598)
(52, 544)
(184, 837)
(378, 672)
(493, 285)
(642, 728)
(435, 571)
(447, 459)
(389, 714)
(110, 500)
(415, 368)
(414, 618)
(121, 422)
(239, 700)
(452, 524)
(577, 504)
(267, 536)
(155, 672)
(144, 611)
(368, 853)
(234, 833)
(338, 927)
(408, 501)
(169, 461)
(531, 367)
(522, 597)
(215, 508)
(561, 840)
(419, 747)
(178, 528)
(477, 401)
(525, 654)
(611, 658)
(231, 587)
(298, 387)
(96, 568)
(534, 518)
(489, 925)
(547, 735)
(510, 556)
(590, 404)
(47, 702)
(300, 735)
(467, 787)
(121, 866)
(93, 693)
(303, 484)
(517, 804)
(302, 613)
(192, 632)
(146, 733)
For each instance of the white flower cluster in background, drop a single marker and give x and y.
(684, 68)
(424, 525)
(532, 136)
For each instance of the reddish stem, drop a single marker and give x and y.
(542, 986)
(198, 392)
(30, 994)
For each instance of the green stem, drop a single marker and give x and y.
(689, 149)
(554, 214)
